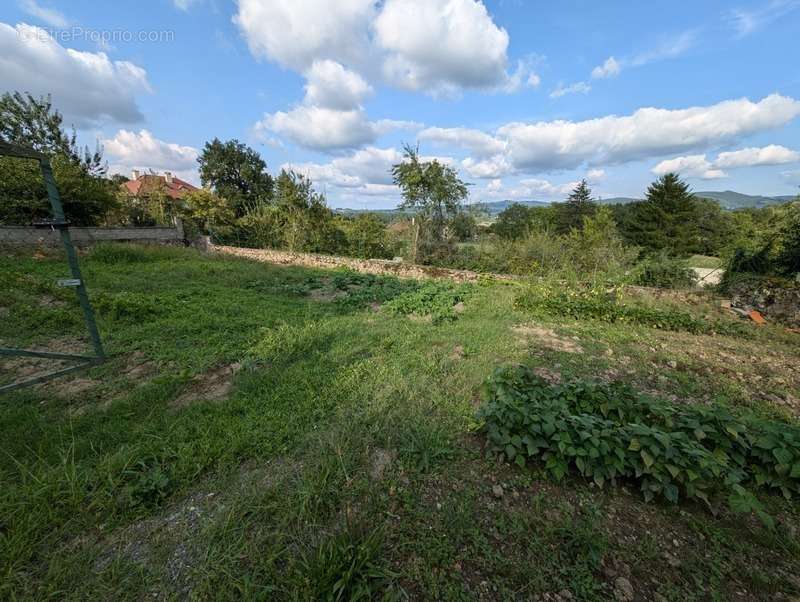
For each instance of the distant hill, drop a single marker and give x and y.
(737, 200)
(728, 199)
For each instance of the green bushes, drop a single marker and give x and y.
(662, 271)
(599, 303)
(434, 299)
(607, 432)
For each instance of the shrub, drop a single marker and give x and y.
(608, 432)
(662, 271)
(599, 303)
(133, 307)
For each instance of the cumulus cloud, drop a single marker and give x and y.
(87, 87)
(441, 45)
(749, 157)
(595, 175)
(692, 166)
(295, 33)
(332, 86)
(576, 88)
(648, 132)
(141, 150)
(493, 167)
(527, 189)
(476, 142)
(320, 128)
(437, 46)
(51, 16)
(610, 68)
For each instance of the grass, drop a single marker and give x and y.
(704, 261)
(325, 450)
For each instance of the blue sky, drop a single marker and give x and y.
(523, 97)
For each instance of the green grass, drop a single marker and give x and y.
(704, 261)
(343, 459)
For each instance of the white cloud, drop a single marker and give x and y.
(51, 16)
(749, 157)
(441, 45)
(610, 68)
(320, 128)
(746, 22)
(87, 87)
(476, 142)
(669, 47)
(648, 132)
(295, 33)
(494, 167)
(576, 88)
(141, 150)
(595, 175)
(692, 166)
(332, 86)
(533, 189)
(184, 4)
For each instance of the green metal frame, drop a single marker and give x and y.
(59, 222)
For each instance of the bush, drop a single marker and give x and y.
(608, 432)
(662, 271)
(599, 303)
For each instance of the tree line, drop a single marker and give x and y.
(241, 203)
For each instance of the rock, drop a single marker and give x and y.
(672, 364)
(497, 491)
(623, 590)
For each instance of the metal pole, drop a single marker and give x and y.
(72, 256)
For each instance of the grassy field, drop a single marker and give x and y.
(277, 433)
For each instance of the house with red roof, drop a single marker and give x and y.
(145, 184)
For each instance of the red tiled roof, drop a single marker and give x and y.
(149, 183)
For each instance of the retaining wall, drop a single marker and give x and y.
(29, 236)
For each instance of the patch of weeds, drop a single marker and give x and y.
(435, 299)
(424, 447)
(286, 343)
(147, 483)
(608, 432)
(129, 306)
(125, 253)
(599, 303)
(348, 566)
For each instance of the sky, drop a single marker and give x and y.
(524, 98)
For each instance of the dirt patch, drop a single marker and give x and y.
(380, 461)
(326, 295)
(22, 368)
(458, 353)
(213, 385)
(138, 366)
(546, 337)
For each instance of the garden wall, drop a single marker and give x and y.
(29, 236)
(383, 267)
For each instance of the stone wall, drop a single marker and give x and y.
(29, 236)
(383, 267)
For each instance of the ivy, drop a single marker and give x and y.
(608, 433)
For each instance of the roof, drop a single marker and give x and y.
(149, 183)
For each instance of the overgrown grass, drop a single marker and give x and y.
(341, 460)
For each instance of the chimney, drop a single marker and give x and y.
(135, 174)
(168, 177)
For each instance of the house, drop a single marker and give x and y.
(144, 184)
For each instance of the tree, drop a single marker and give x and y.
(514, 222)
(237, 173)
(206, 211)
(598, 247)
(666, 220)
(433, 189)
(32, 122)
(579, 205)
(85, 194)
(464, 226)
(366, 236)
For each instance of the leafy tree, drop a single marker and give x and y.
(207, 212)
(464, 226)
(597, 246)
(366, 236)
(32, 122)
(85, 194)
(237, 173)
(513, 223)
(431, 188)
(579, 205)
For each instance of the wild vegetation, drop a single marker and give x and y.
(266, 432)
(284, 433)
